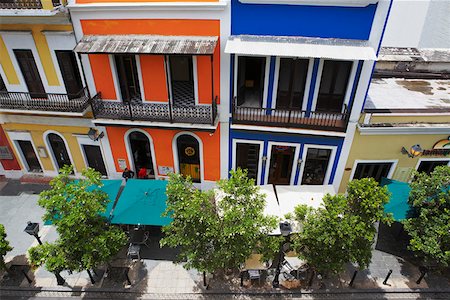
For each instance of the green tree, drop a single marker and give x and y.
(216, 235)
(4, 247)
(343, 229)
(85, 238)
(429, 228)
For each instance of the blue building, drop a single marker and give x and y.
(300, 71)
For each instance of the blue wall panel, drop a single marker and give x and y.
(302, 20)
(288, 138)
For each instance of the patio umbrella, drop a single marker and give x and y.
(398, 202)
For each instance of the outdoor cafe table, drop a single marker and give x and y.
(142, 202)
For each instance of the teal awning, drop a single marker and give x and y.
(142, 202)
(111, 188)
(398, 203)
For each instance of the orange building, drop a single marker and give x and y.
(154, 74)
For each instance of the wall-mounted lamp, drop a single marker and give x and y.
(264, 158)
(299, 162)
(94, 134)
(415, 151)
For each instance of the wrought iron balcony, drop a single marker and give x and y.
(76, 103)
(154, 112)
(291, 118)
(25, 4)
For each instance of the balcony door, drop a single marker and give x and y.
(291, 83)
(70, 73)
(250, 81)
(30, 73)
(31, 160)
(281, 163)
(182, 80)
(333, 85)
(127, 74)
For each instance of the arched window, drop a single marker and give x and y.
(141, 154)
(189, 156)
(59, 150)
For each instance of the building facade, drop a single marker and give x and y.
(154, 71)
(43, 99)
(300, 71)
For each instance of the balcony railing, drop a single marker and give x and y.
(290, 118)
(20, 4)
(154, 112)
(45, 102)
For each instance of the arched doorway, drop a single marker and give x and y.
(141, 153)
(188, 150)
(59, 150)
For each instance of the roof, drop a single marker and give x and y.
(408, 94)
(147, 44)
(413, 54)
(300, 47)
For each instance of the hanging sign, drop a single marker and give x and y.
(122, 163)
(441, 148)
(189, 151)
(164, 170)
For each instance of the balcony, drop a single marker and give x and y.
(155, 112)
(290, 118)
(29, 4)
(45, 103)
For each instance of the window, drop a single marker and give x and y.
(70, 73)
(316, 165)
(182, 80)
(31, 161)
(2, 85)
(189, 156)
(428, 166)
(247, 157)
(128, 78)
(374, 170)
(250, 81)
(59, 150)
(291, 83)
(333, 85)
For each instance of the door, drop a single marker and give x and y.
(30, 156)
(70, 73)
(128, 78)
(141, 153)
(316, 166)
(94, 158)
(189, 156)
(30, 73)
(182, 80)
(281, 162)
(247, 157)
(333, 85)
(59, 150)
(291, 83)
(372, 170)
(250, 81)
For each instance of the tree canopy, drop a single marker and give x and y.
(4, 247)
(216, 230)
(429, 226)
(85, 239)
(343, 229)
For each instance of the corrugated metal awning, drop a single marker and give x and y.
(300, 47)
(147, 44)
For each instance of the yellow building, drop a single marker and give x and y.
(400, 114)
(44, 101)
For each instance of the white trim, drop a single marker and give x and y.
(16, 136)
(351, 82)
(141, 81)
(330, 161)
(351, 3)
(405, 114)
(413, 129)
(344, 154)
(307, 82)
(115, 76)
(432, 159)
(294, 162)
(195, 77)
(261, 150)
(130, 154)
(175, 153)
(52, 154)
(145, 6)
(286, 130)
(235, 76)
(266, 82)
(157, 124)
(317, 84)
(393, 163)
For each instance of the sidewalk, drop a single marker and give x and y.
(158, 275)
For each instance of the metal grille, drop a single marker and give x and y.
(45, 102)
(20, 4)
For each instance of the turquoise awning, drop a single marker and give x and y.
(398, 203)
(142, 202)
